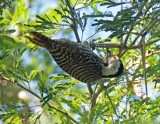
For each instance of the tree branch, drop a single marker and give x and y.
(152, 53)
(90, 89)
(116, 46)
(95, 95)
(93, 101)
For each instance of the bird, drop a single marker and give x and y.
(78, 59)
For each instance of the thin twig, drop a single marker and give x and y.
(143, 53)
(114, 109)
(93, 101)
(116, 46)
(152, 42)
(131, 28)
(90, 89)
(74, 25)
(150, 26)
(91, 36)
(152, 53)
(96, 94)
(15, 82)
(64, 113)
(144, 32)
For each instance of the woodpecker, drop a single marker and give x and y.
(78, 59)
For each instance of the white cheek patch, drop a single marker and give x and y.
(112, 68)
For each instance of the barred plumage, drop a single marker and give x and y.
(76, 59)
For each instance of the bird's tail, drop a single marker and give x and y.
(40, 40)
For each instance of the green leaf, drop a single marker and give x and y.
(7, 42)
(33, 74)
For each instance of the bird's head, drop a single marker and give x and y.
(113, 66)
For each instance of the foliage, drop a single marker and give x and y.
(33, 87)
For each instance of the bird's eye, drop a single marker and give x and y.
(106, 64)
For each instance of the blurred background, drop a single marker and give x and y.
(29, 73)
